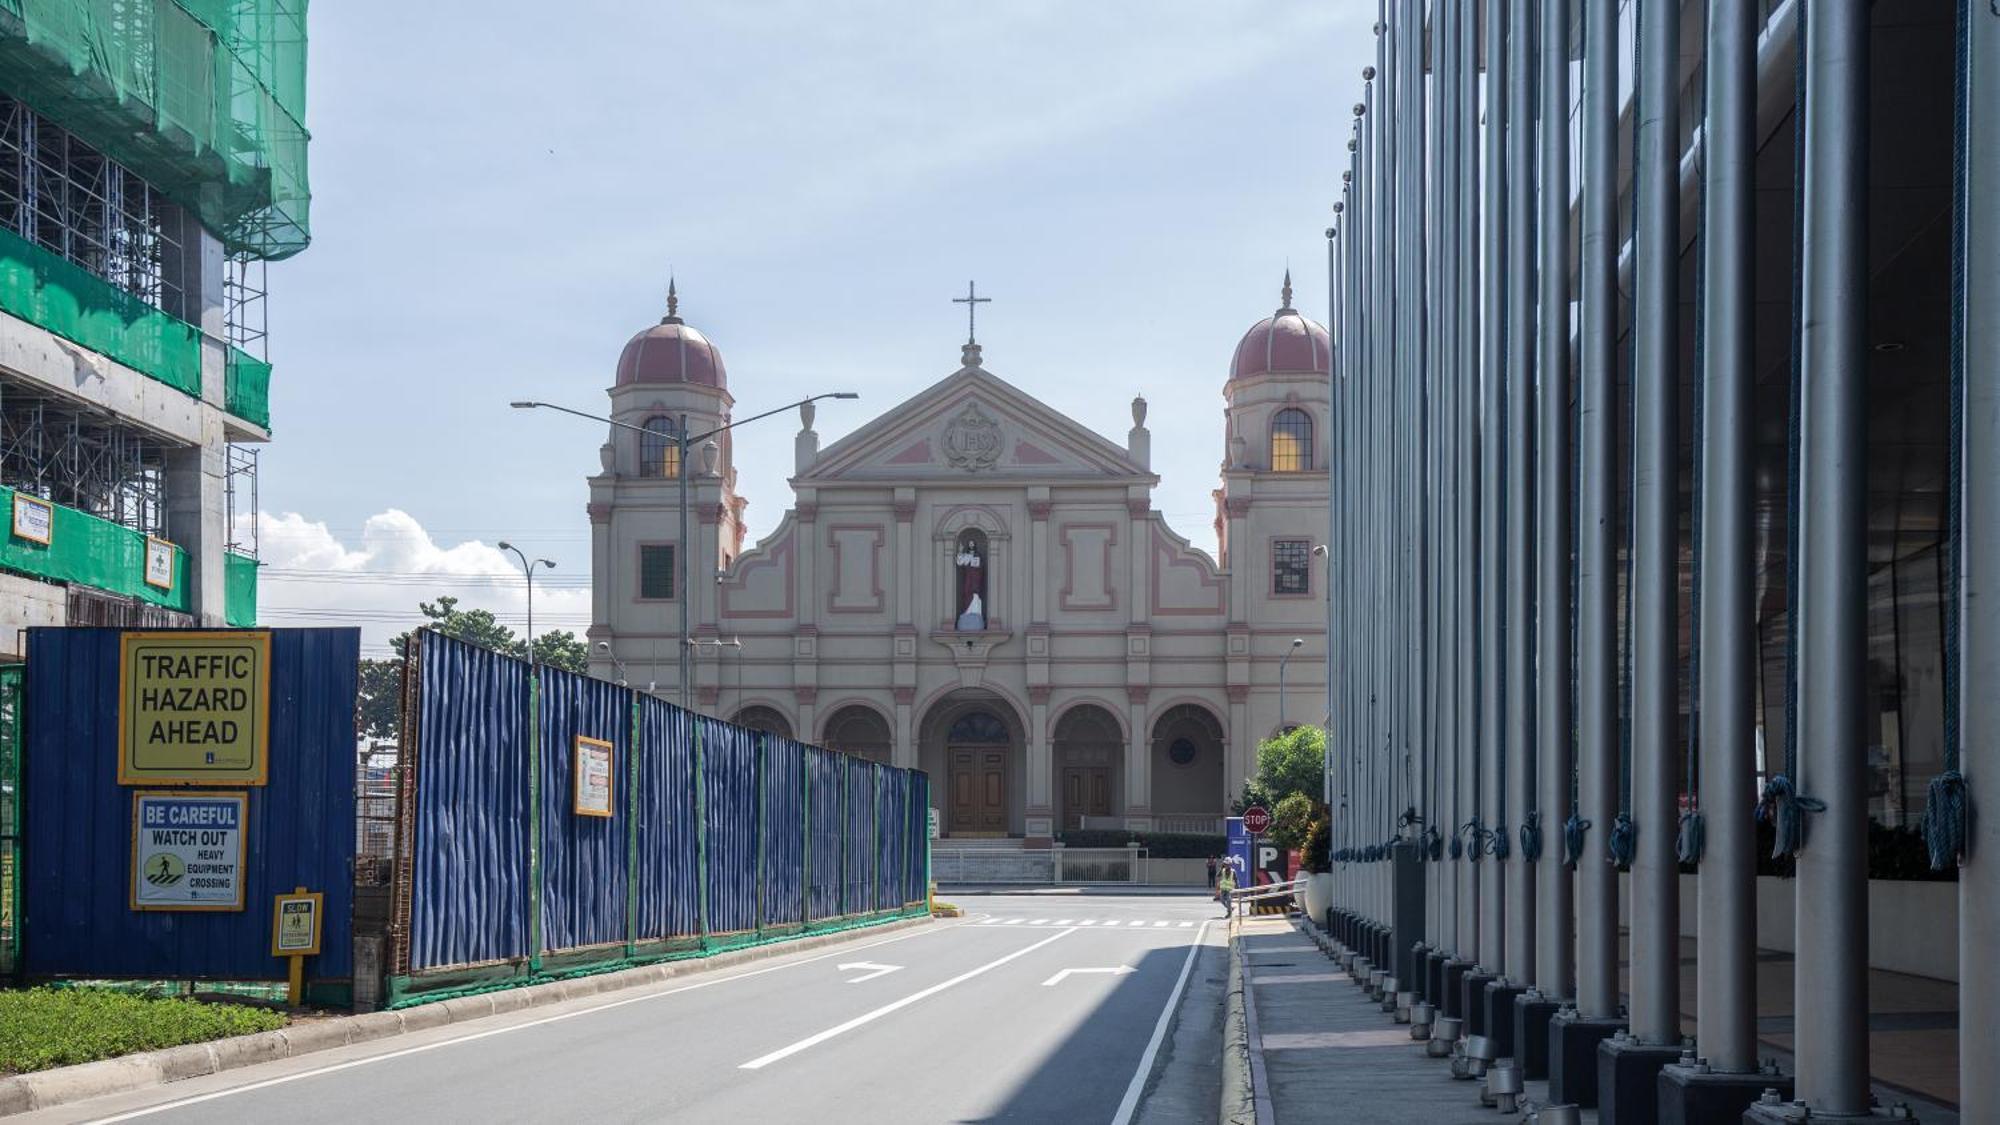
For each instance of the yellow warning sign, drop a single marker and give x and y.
(295, 924)
(194, 708)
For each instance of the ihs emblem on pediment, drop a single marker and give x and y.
(972, 439)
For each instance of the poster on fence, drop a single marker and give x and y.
(188, 851)
(593, 777)
(194, 707)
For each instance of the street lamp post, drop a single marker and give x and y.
(683, 442)
(528, 570)
(1282, 661)
(605, 648)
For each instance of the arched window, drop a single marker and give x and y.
(659, 454)
(766, 719)
(978, 726)
(1291, 441)
(860, 731)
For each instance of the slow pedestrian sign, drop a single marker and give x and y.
(1256, 820)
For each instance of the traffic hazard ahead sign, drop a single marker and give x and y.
(1256, 820)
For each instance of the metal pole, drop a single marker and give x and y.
(1554, 954)
(1979, 582)
(1726, 983)
(1447, 70)
(1493, 572)
(1832, 1009)
(1520, 498)
(1597, 554)
(1655, 637)
(1464, 249)
(685, 666)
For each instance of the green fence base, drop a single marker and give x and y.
(429, 988)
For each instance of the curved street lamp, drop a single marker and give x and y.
(528, 570)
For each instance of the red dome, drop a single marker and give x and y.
(1286, 342)
(672, 351)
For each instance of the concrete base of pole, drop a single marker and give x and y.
(1532, 1013)
(1433, 976)
(1573, 1044)
(1472, 999)
(1776, 1111)
(1499, 999)
(1695, 1095)
(1628, 1080)
(1453, 994)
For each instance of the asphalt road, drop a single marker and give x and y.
(1032, 1008)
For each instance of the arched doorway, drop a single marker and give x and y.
(972, 741)
(1188, 773)
(1089, 762)
(860, 731)
(766, 719)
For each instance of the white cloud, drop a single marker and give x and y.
(312, 578)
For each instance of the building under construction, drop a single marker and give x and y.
(152, 160)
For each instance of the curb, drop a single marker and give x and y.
(46, 1089)
(1238, 1096)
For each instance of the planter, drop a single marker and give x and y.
(1317, 896)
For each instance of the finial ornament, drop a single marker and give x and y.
(972, 300)
(673, 303)
(1287, 291)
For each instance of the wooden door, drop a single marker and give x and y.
(978, 791)
(1086, 792)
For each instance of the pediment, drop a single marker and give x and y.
(973, 424)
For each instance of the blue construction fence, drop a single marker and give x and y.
(74, 822)
(552, 824)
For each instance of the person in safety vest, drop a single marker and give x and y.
(1225, 885)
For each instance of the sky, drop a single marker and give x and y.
(501, 190)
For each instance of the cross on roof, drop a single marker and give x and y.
(972, 300)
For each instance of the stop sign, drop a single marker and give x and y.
(1256, 820)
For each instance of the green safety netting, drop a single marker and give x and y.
(239, 595)
(248, 392)
(44, 288)
(205, 99)
(92, 552)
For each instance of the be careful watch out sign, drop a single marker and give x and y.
(188, 851)
(194, 708)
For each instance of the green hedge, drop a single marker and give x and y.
(1158, 845)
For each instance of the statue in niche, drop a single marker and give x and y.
(971, 584)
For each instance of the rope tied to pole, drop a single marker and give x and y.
(1433, 844)
(1457, 849)
(1785, 807)
(1623, 843)
(1573, 833)
(1498, 844)
(1693, 835)
(1531, 837)
(1946, 812)
(1474, 837)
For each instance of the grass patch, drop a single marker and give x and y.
(45, 1027)
(943, 909)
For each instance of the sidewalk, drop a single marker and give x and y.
(1320, 1045)
(961, 890)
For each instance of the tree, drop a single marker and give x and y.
(1293, 818)
(378, 711)
(562, 649)
(1293, 762)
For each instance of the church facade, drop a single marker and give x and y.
(973, 584)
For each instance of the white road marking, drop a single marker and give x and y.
(1136, 922)
(1011, 922)
(283, 1079)
(782, 1053)
(1063, 922)
(1039, 922)
(1157, 925)
(988, 921)
(1185, 925)
(1088, 922)
(1134, 1088)
(874, 970)
(1115, 970)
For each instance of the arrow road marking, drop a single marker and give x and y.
(878, 970)
(1116, 971)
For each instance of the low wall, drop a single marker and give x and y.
(1177, 872)
(1912, 925)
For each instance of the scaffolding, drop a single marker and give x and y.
(81, 457)
(240, 500)
(70, 199)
